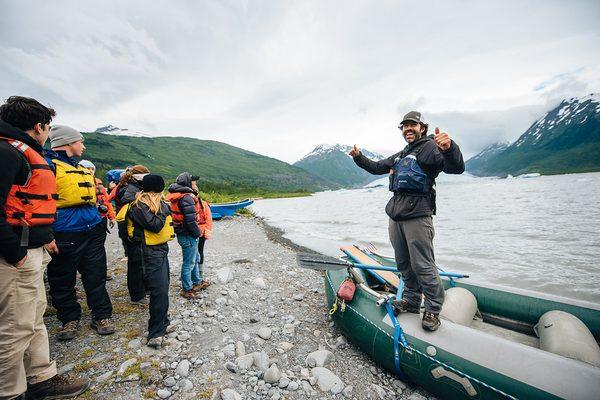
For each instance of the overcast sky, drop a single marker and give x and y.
(280, 77)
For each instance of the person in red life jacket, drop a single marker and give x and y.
(105, 208)
(125, 192)
(149, 227)
(103, 203)
(27, 211)
(186, 219)
(205, 222)
(80, 237)
(412, 181)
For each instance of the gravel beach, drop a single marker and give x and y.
(260, 331)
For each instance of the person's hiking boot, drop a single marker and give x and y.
(155, 343)
(68, 331)
(431, 321)
(58, 387)
(141, 302)
(204, 283)
(188, 294)
(403, 306)
(103, 326)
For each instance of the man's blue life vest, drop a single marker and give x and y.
(408, 176)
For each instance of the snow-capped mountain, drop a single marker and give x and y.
(113, 130)
(479, 161)
(566, 139)
(323, 149)
(332, 162)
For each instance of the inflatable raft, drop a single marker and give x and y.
(494, 342)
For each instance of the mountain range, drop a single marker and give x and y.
(565, 140)
(222, 168)
(333, 164)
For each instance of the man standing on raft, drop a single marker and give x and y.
(412, 180)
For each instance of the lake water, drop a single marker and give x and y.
(541, 233)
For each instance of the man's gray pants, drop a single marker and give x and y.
(412, 240)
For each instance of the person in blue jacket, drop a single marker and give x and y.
(80, 237)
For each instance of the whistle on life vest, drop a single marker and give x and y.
(345, 294)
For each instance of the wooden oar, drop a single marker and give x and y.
(324, 263)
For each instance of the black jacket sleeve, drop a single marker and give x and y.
(375, 167)
(145, 219)
(11, 164)
(186, 206)
(433, 160)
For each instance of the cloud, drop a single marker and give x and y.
(280, 77)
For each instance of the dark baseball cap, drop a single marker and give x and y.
(413, 116)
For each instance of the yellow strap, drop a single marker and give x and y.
(334, 308)
(343, 305)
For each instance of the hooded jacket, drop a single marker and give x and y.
(15, 170)
(183, 184)
(72, 219)
(407, 205)
(126, 194)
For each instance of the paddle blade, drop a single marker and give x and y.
(320, 262)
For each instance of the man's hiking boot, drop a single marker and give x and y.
(188, 294)
(204, 283)
(58, 387)
(431, 321)
(141, 302)
(68, 331)
(155, 343)
(402, 306)
(103, 326)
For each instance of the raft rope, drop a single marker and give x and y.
(399, 339)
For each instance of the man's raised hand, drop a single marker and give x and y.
(442, 139)
(354, 152)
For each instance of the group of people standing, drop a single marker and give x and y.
(54, 216)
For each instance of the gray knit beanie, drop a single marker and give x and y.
(61, 135)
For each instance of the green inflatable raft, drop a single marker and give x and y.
(496, 354)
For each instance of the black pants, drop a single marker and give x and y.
(201, 241)
(157, 278)
(135, 273)
(83, 252)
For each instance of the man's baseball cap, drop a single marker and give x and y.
(413, 116)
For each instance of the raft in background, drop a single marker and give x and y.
(496, 357)
(228, 209)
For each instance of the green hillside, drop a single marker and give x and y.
(333, 164)
(222, 168)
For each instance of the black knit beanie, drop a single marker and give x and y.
(153, 183)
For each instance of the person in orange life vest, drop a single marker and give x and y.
(27, 211)
(104, 206)
(125, 192)
(103, 203)
(80, 237)
(186, 218)
(205, 222)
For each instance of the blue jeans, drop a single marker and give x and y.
(190, 273)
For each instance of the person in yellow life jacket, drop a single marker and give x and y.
(125, 192)
(205, 223)
(80, 237)
(27, 211)
(149, 228)
(105, 208)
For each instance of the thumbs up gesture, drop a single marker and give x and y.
(354, 152)
(442, 139)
